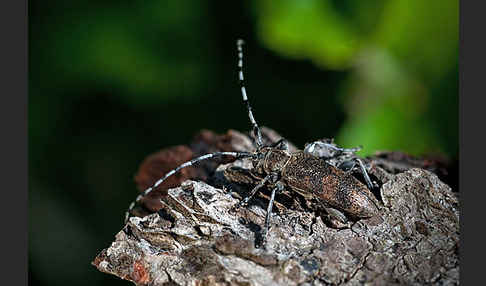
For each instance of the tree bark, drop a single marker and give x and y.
(198, 238)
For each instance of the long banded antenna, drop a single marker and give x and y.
(256, 129)
(186, 164)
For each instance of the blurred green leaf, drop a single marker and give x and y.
(396, 51)
(385, 128)
(424, 35)
(307, 29)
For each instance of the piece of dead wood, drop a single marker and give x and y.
(197, 239)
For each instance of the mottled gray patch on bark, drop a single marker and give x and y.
(199, 239)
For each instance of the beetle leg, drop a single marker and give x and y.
(278, 187)
(336, 217)
(365, 173)
(245, 201)
(281, 144)
(347, 166)
(350, 165)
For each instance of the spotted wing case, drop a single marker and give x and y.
(311, 176)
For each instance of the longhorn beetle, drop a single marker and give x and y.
(318, 171)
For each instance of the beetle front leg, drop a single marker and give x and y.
(245, 201)
(279, 186)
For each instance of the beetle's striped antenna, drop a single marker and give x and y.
(256, 129)
(237, 155)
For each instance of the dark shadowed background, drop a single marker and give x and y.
(112, 81)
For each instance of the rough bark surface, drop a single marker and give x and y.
(198, 238)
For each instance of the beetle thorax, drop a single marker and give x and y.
(275, 160)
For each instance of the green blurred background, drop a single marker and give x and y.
(113, 81)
